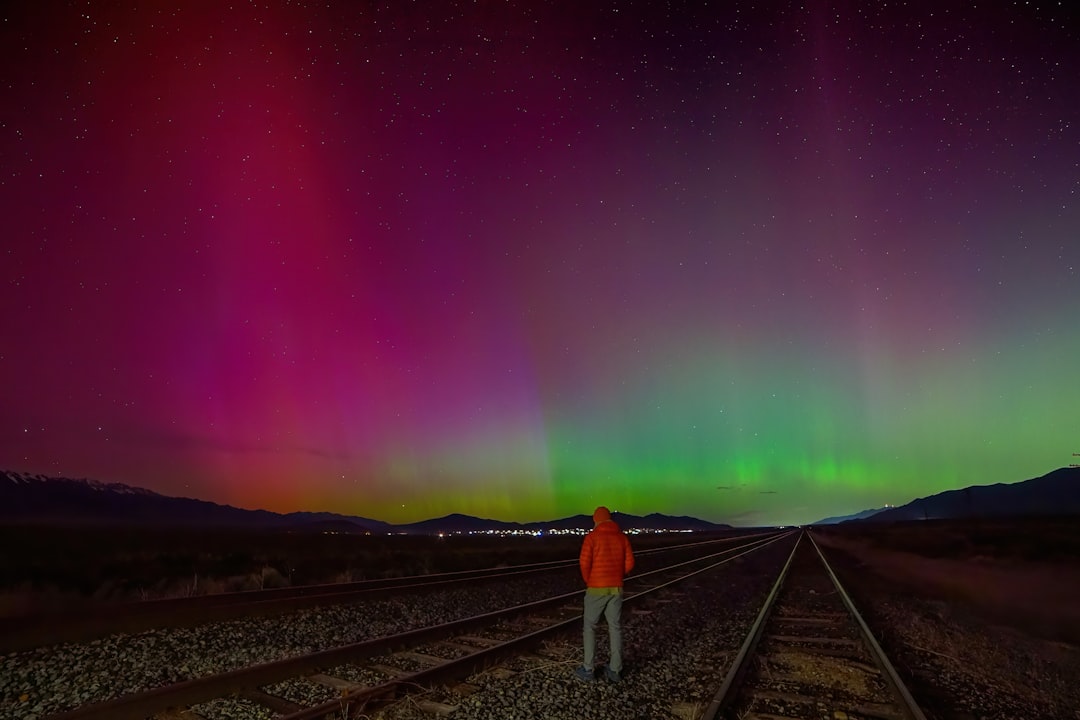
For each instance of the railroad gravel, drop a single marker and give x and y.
(233, 707)
(967, 669)
(53, 679)
(676, 654)
(302, 691)
(48, 680)
(669, 649)
(958, 664)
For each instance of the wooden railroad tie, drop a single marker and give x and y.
(176, 714)
(338, 684)
(879, 711)
(279, 705)
(435, 708)
(420, 657)
(459, 646)
(808, 620)
(813, 640)
(484, 641)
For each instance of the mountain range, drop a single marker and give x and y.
(1056, 493)
(861, 515)
(39, 499)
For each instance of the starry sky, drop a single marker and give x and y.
(758, 263)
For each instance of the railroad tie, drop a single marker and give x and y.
(831, 619)
(542, 621)
(850, 653)
(394, 672)
(339, 684)
(813, 640)
(420, 657)
(177, 714)
(465, 689)
(478, 640)
(436, 708)
(500, 673)
(278, 704)
(459, 646)
(878, 711)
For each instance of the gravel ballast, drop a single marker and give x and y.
(677, 651)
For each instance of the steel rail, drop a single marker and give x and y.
(139, 706)
(24, 632)
(452, 669)
(726, 693)
(724, 696)
(911, 708)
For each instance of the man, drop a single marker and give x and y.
(605, 560)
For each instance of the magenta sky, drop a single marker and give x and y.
(753, 264)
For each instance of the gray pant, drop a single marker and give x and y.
(610, 606)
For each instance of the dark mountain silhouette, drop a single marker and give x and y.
(39, 499)
(340, 526)
(574, 522)
(861, 515)
(47, 500)
(656, 521)
(464, 523)
(456, 523)
(334, 521)
(1056, 493)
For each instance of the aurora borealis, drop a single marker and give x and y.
(755, 263)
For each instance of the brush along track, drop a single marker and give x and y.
(809, 654)
(89, 623)
(363, 675)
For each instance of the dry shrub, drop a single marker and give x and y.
(272, 578)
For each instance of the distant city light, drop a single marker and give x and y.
(541, 533)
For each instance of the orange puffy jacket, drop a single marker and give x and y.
(606, 556)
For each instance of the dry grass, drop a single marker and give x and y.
(1042, 597)
(979, 633)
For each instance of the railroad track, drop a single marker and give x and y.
(357, 679)
(84, 624)
(809, 654)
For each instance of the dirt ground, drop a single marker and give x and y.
(1042, 598)
(983, 635)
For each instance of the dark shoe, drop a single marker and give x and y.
(583, 673)
(611, 676)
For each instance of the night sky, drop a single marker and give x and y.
(758, 263)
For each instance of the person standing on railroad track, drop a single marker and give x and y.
(606, 558)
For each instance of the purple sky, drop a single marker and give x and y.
(757, 263)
